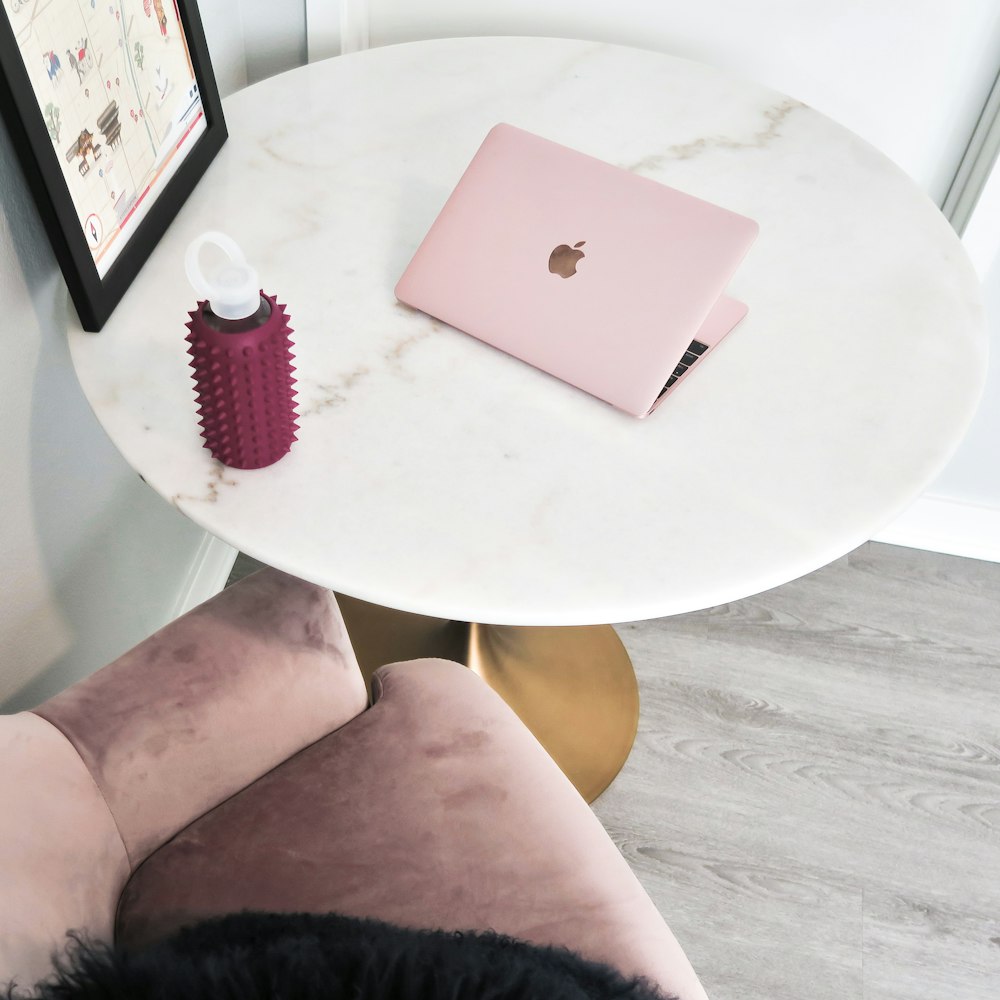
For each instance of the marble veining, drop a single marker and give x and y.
(775, 117)
(437, 475)
(217, 482)
(396, 353)
(315, 397)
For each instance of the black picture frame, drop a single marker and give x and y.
(96, 297)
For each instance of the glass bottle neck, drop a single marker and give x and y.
(259, 318)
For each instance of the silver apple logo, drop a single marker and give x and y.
(563, 259)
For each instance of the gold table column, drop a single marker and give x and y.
(573, 687)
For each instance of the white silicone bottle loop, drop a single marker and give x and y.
(233, 292)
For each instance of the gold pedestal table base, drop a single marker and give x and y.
(573, 687)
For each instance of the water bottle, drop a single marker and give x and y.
(241, 354)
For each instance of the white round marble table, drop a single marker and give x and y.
(436, 475)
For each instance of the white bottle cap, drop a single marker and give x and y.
(233, 292)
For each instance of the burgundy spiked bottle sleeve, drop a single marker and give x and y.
(245, 389)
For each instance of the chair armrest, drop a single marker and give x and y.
(462, 822)
(210, 703)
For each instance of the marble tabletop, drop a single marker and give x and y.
(437, 475)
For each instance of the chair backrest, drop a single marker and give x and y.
(210, 703)
(96, 778)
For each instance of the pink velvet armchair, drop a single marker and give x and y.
(231, 762)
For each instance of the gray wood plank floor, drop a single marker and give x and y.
(813, 801)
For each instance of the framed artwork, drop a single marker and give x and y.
(114, 112)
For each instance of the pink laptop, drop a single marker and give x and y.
(607, 280)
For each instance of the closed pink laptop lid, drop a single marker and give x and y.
(646, 267)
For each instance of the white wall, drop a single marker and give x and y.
(89, 557)
(91, 560)
(911, 76)
(274, 34)
(973, 475)
(226, 37)
(960, 511)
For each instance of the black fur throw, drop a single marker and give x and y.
(271, 956)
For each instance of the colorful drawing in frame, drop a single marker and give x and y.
(113, 108)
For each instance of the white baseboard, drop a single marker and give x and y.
(958, 529)
(210, 569)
